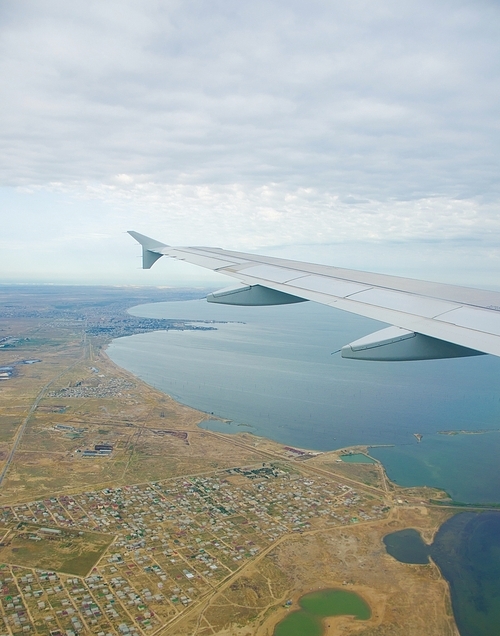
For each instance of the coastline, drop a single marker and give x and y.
(387, 453)
(334, 455)
(435, 496)
(248, 374)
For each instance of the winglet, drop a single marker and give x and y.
(150, 249)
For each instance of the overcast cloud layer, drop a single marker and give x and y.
(249, 126)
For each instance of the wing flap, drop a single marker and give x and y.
(401, 301)
(484, 320)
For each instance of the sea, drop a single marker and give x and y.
(276, 372)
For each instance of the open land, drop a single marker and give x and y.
(119, 515)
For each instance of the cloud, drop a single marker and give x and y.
(252, 125)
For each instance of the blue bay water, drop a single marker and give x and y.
(270, 369)
(466, 549)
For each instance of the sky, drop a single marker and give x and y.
(354, 133)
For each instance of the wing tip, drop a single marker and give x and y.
(150, 247)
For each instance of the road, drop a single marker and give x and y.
(39, 397)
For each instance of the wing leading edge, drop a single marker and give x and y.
(430, 320)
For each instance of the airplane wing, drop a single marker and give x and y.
(430, 320)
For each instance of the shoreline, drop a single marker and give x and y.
(252, 382)
(443, 499)
(310, 452)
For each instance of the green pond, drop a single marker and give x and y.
(357, 458)
(319, 605)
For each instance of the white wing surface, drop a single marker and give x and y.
(430, 320)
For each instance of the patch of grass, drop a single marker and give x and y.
(82, 564)
(67, 551)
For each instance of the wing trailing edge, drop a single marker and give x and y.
(434, 320)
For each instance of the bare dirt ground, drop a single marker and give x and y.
(405, 599)
(356, 560)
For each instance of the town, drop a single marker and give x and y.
(169, 544)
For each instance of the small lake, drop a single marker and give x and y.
(357, 458)
(466, 549)
(407, 546)
(319, 605)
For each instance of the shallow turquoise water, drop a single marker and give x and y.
(357, 458)
(466, 466)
